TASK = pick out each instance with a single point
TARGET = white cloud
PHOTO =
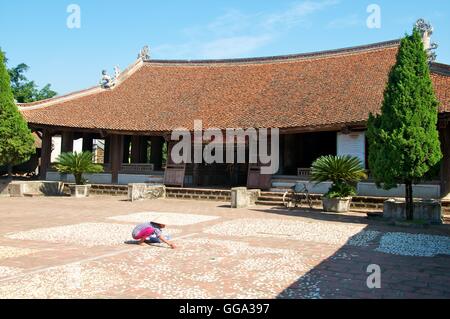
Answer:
(346, 22)
(236, 34)
(297, 13)
(234, 47)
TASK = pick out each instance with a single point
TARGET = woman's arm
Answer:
(161, 237)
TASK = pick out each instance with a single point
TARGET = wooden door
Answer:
(257, 180)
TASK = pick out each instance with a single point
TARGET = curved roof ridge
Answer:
(81, 93)
(440, 68)
(275, 58)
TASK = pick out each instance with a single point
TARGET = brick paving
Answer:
(275, 254)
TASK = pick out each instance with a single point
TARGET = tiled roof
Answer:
(296, 91)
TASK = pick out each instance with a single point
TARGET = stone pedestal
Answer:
(141, 191)
(426, 210)
(241, 197)
(79, 191)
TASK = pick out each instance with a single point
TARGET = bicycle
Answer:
(294, 197)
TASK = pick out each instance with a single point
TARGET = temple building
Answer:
(319, 101)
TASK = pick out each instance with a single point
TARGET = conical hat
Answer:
(161, 220)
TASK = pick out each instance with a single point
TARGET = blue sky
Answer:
(113, 32)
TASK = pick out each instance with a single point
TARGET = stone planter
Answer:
(336, 205)
(424, 210)
(79, 191)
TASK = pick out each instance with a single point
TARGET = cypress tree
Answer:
(16, 140)
(404, 140)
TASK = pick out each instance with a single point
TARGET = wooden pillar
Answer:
(156, 151)
(106, 151)
(46, 153)
(67, 142)
(126, 149)
(143, 149)
(444, 134)
(116, 155)
(135, 149)
(88, 142)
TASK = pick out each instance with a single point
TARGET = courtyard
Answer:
(72, 248)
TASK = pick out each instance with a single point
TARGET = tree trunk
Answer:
(409, 201)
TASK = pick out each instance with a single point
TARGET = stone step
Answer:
(33, 195)
(269, 203)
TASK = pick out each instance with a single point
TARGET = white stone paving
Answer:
(9, 271)
(173, 219)
(12, 252)
(84, 234)
(321, 232)
(414, 244)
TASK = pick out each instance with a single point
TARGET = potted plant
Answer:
(344, 172)
(77, 164)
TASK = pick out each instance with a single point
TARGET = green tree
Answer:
(26, 91)
(403, 140)
(16, 140)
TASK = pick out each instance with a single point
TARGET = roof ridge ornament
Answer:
(144, 54)
(426, 29)
(107, 81)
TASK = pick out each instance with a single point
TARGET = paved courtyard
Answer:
(72, 248)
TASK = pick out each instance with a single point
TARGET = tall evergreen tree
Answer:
(403, 140)
(16, 141)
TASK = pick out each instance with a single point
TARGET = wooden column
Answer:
(143, 149)
(135, 149)
(444, 135)
(126, 149)
(88, 142)
(67, 142)
(106, 151)
(156, 151)
(116, 155)
(46, 153)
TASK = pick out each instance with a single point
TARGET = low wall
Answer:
(125, 179)
(198, 194)
(106, 178)
(425, 191)
(100, 178)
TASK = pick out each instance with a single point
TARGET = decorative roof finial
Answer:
(106, 82)
(427, 30)
(144, 54)
(116, 72)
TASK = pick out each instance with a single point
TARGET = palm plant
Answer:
(77, 164)
(343, 171)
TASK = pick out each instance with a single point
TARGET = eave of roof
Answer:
(142, 93)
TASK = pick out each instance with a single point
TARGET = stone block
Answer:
(241, 197)
(427, 210)
(142, 191)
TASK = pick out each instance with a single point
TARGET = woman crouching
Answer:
(142, 232)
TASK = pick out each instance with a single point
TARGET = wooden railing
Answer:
(142, 169)
(304, 173)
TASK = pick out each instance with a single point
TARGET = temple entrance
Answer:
(220, 175)
(299, 151)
